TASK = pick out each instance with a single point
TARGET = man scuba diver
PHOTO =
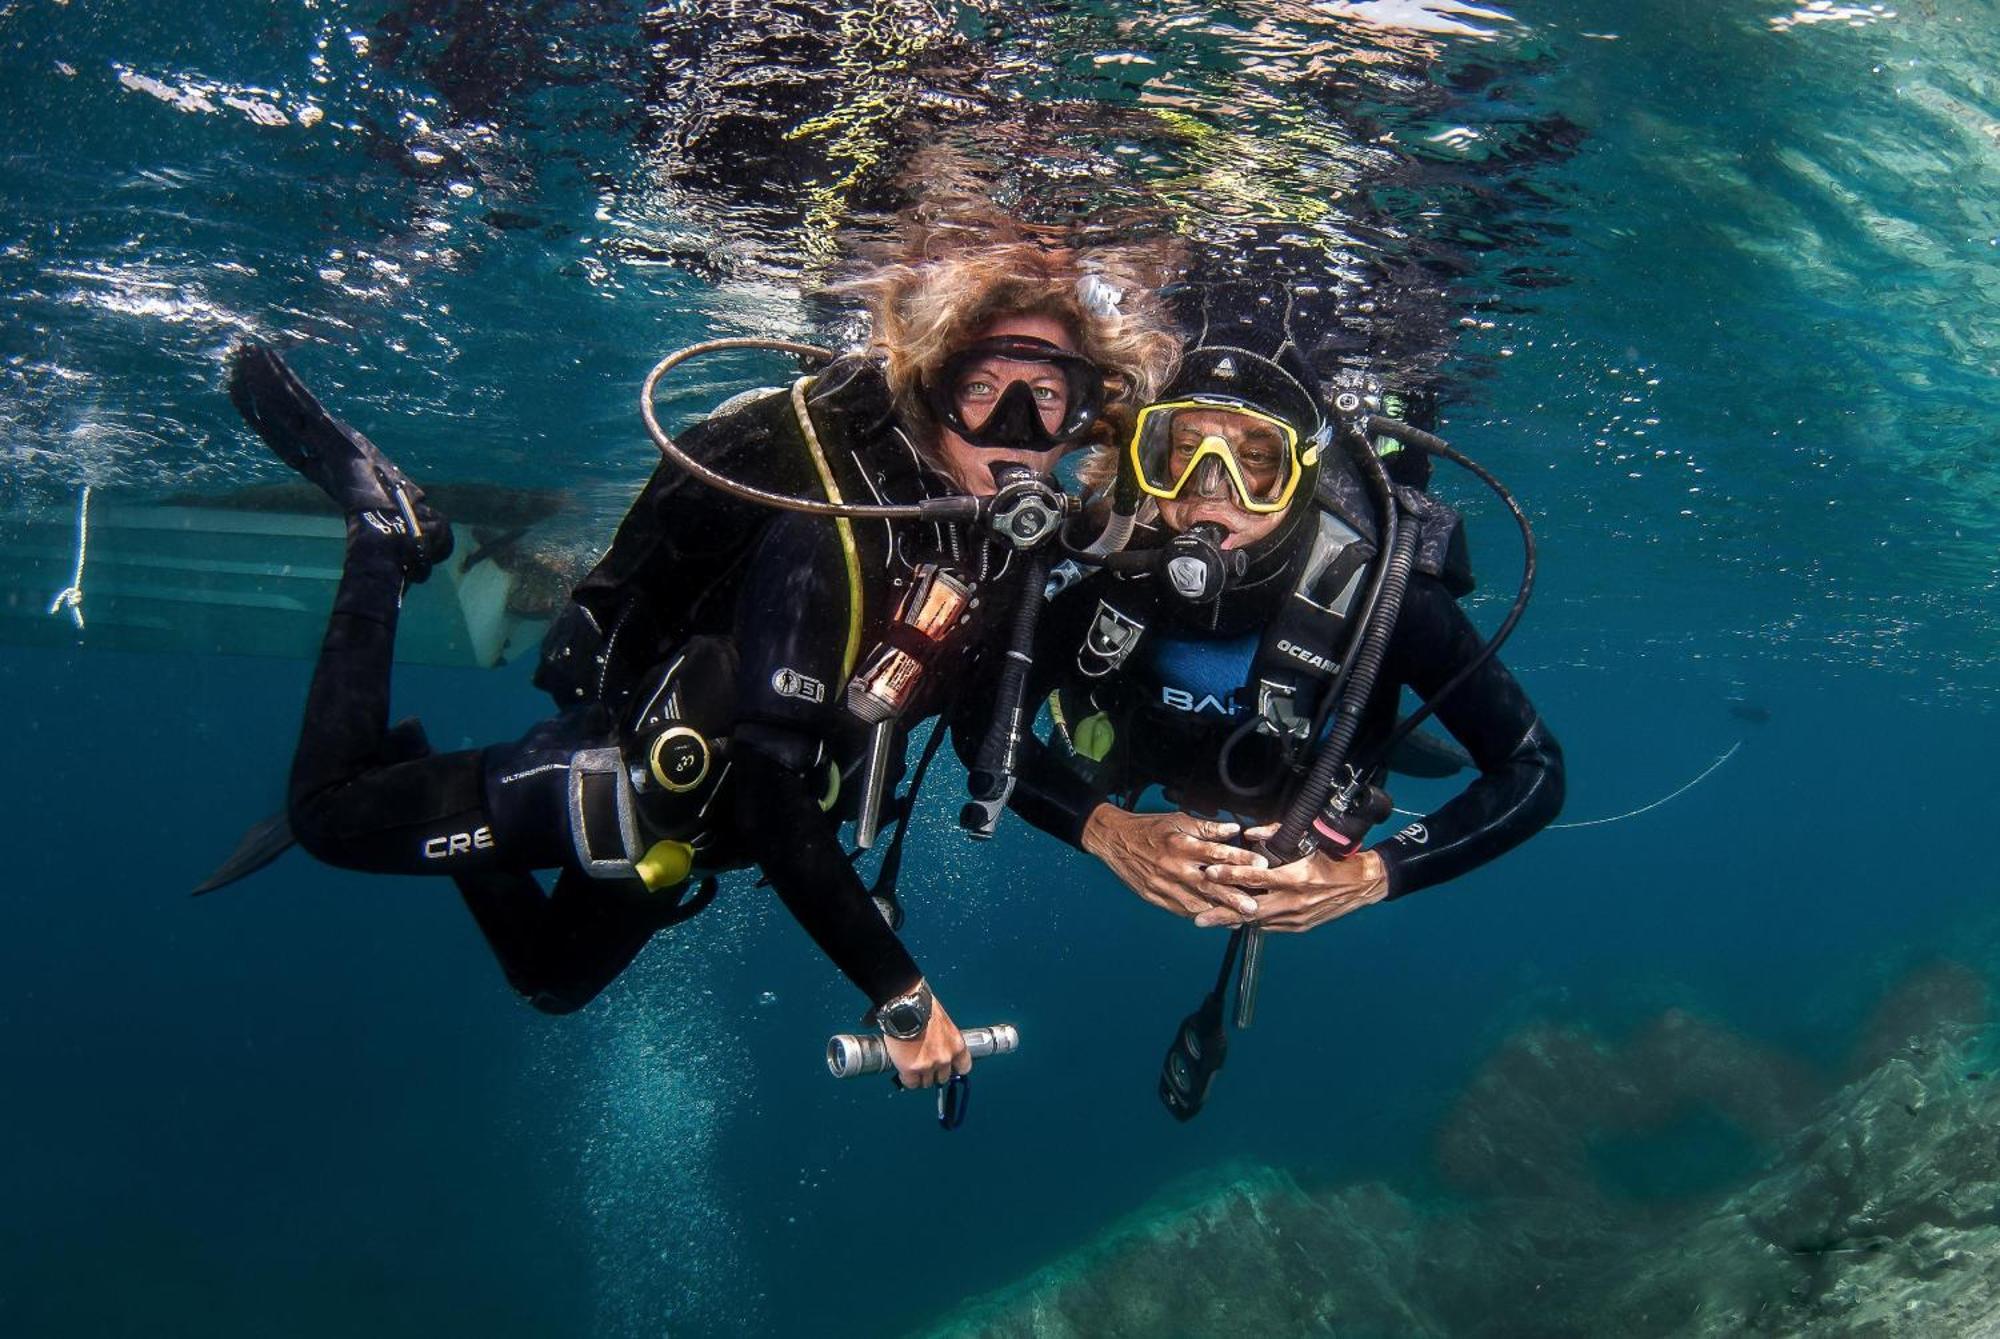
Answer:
(1216, 657)
(736, 680)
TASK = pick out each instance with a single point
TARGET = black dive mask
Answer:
(1196, 566)
(1015, 423)
(1013, 386)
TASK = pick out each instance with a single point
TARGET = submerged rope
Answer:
(1631, 813)
(71, 596)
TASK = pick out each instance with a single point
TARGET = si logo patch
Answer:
(788, 682)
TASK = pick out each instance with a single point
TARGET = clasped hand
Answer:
(931, 1058)
(1190, 867)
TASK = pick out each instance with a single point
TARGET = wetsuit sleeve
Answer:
(798, 844)
(1521, 780)
(792, 630)
(1052, 797)
(1519, 790)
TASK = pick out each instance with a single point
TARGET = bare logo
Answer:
(788, 682)
(1416, 835)
(459, 843)
(1180, 699)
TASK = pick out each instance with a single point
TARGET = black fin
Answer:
(404, 741)
(348, 467)
(260, 846)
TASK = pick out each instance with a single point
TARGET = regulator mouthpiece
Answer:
(1026, 509)
(1198, 569)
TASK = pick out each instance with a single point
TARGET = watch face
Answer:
(904, 1020)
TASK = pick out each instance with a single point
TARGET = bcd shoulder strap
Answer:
(1301, 647)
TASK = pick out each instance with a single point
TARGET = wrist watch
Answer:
(906, 1016)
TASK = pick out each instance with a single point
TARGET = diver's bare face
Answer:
(1210, 497)
(971, 467)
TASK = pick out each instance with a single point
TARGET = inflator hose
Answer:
(1371, 464)
(1287, 845)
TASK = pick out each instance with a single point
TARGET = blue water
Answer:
(1715, 294)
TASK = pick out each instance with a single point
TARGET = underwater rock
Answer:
(1879, 1218)
(1257, 1255)
(1936, 997)
(1527, 1121)
(1877, 1212)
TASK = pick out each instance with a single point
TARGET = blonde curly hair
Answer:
(951, 278)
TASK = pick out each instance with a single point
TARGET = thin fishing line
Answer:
(1642, 809)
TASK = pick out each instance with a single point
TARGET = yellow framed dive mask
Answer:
(1187, 447)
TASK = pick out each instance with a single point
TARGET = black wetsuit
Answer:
(1176, 702)
(688, 563)
(368, 797)
(792, 631)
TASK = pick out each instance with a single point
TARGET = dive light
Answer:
(850, 1055)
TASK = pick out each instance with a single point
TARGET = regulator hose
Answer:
(992, 776)
(1320, 782)
(935, 509)
(1437, 446)
(1122, 561)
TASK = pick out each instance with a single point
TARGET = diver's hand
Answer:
(1305, 893)
(1172, 860)
(933, 1058)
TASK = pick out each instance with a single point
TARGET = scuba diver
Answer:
(740, 673)
(1247, 651)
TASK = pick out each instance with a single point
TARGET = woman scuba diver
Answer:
(1268, 611)
(735, 680)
